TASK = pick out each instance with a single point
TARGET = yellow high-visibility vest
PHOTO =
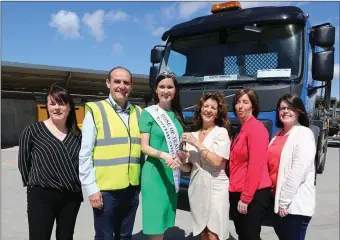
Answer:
(117, 151)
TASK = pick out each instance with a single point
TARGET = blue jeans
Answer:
(291, 227)
(116, 219)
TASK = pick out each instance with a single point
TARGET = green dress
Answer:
(159, 197)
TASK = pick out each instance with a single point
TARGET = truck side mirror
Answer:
(323, 65)
(322, 35)
(153, 76)
(156, 55)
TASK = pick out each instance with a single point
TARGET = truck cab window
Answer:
(239, 52)
(177, 63)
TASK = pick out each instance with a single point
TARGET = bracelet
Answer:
(206, 155)
(158, 154)
(200, 151)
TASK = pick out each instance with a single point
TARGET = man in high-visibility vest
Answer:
(109, 159)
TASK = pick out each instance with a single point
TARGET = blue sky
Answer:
(101, 35)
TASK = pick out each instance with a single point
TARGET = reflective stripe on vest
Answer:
(117, 150)
(118, 140)
(115, 161)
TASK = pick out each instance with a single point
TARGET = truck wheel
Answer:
(321, 168)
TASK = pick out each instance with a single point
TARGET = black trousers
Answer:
(45, 206)
(248, 226)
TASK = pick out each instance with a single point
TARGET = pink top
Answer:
(274, 155)
(248, 162)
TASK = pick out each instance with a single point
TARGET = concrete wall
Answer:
(15, 115)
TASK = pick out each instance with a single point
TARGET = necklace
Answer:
(206, 131)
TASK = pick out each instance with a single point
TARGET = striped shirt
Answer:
(46, 161)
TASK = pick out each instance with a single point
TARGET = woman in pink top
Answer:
(291, 155)
(250, 184)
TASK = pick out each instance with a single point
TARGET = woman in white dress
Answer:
(207, 152)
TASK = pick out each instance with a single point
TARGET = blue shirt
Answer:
(89, 132)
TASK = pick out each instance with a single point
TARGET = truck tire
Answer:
(321, 167)
(319, 129)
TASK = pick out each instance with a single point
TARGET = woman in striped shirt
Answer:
(48, 163)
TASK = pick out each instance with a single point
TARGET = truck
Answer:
(272, 50)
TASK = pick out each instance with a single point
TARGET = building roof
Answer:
(34, 79)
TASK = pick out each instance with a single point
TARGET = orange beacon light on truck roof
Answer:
(220, 7)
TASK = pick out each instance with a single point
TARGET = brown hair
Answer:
(61, 96)
(252, 97)
(222, 119)
(176, 101)
(296, 103)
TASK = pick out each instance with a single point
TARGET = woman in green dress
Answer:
(160, 180)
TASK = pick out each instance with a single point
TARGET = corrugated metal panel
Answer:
(38, 78)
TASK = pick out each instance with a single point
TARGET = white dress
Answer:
(208, 188)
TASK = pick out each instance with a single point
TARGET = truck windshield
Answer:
(263, 52)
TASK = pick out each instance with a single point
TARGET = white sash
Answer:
(171, 135)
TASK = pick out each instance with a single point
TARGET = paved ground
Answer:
(324, 225)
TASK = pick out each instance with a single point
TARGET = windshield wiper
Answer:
(259, 81)
(197, 83)
(277, 80)
(239, 82)
(273, 79)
